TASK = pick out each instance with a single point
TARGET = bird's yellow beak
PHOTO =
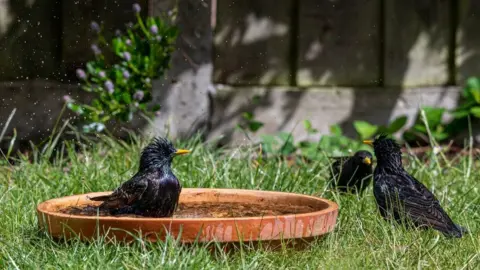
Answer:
(369, 142)
(182, 152)
(367, 161)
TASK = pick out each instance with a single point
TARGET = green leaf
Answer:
(475, 111)
(466, 105)
(87, 88)
(307, 124)
(247, 116)
(458, 114)
(285, 136)
(126, 98)
(397, 124)
(420, 128)
(433, 116)
(156, 107)
(476, 94)
(409, 135)
(365, 129)
(90, 67)
(151, 21)
(287, 147)
(473, 87)
(382, 129)
(142, 106)
(254, 125)
(308, 127)
(118, 76)
(268, 142)
(118, 46)
(75, 108)
(440, 136)
(336, 130)
(305, 144)
(96, 103)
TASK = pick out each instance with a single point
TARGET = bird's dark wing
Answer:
(126, 194)
(421, 205)
(338, 163)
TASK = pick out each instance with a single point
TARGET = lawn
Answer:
(360, 240)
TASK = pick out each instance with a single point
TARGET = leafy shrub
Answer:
(123, 86)
(334, 144)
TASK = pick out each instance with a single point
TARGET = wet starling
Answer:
(353, 173)
(154, 190)
(401, 196)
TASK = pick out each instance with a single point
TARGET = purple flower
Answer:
(136, 8)
(154, 29)
(109, 85)
(67, 99)
(101, 74)
(95, 27)
(81, 74)
(128, 42)
(126, 74)
(95, 49)
(138, 95)
(127, 56)
(129, 25)
(118, 33)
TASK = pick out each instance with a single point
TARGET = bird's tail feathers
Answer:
(462, 229)
(458, 231)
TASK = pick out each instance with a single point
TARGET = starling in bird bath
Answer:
(154, 190)
(353, 173)
(401, 196)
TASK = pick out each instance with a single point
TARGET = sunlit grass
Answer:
(361, 239)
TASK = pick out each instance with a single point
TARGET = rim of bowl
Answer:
(332, 206)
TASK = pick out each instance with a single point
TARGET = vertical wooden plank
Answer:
(29, 39)
(252, 41)
(158, 7)
(417, 38)
(77, 33)
(339, 42)
(467, 53)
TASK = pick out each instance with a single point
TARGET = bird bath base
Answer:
(203, 215)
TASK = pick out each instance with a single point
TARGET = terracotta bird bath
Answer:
(203, 215)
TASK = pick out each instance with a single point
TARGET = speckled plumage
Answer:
(401, 196)
(352, 174)
(153, 191)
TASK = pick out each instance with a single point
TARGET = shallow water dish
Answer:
(192, 223)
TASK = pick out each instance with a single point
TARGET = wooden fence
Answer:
(49, 39)
(408, 43)
(268, 42)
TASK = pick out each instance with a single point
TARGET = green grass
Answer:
(360, 240)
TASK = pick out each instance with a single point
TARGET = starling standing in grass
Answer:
(401, 196)
(353, 173)
(154, 190)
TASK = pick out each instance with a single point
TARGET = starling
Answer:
(154, 190)
(353, 173)
(401, 196)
